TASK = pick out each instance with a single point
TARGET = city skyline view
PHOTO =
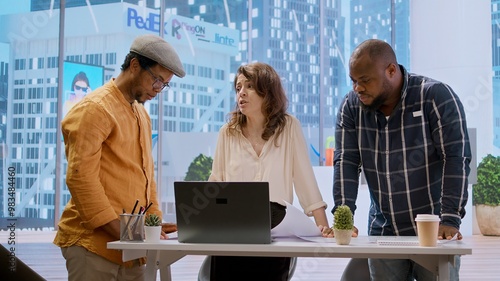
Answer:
(307, 43)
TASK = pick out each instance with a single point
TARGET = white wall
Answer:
(451, 41)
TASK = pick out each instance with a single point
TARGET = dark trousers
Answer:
(223, 268)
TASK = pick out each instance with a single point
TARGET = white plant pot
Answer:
(488, 219)
(152, 233)
(342, 236)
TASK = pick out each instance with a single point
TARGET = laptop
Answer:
(222, 212)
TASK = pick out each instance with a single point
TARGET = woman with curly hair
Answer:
(262, 142)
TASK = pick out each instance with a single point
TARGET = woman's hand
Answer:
(167, 228)
(326, 231)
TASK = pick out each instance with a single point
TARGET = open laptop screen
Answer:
(223, 212)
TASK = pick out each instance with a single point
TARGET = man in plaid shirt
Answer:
(408, 134)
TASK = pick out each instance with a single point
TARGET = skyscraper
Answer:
(195, 104)
(385, 20)
(288, 36)
(495, 44)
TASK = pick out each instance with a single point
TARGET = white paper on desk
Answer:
(128, 255)
(172, 235)
(318, 239)
(295, 223)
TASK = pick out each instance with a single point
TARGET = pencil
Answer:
(135, 206)
(127, 229)
(134, 226)
(145, 210)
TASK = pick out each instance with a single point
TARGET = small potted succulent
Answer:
(343, 225)
(152, 227)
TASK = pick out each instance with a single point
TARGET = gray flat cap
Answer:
(155, 48)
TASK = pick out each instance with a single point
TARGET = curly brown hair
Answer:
(267, 84)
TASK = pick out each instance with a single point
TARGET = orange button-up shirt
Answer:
(108, 145)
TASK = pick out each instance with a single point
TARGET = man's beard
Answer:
(377, 102)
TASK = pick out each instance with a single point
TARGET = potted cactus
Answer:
(152, 227)
(343, 225)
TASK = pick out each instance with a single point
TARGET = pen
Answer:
(127, 229)
(135, 206)
(139, 215)
(145, 210)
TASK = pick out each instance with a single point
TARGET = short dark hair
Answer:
(377, 50)
(80, 76)
(144, 62)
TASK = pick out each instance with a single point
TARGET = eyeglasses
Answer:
(158, 84)
(79, 88)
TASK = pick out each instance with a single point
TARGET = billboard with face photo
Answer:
(79, 80)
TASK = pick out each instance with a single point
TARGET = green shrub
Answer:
(487, 189)
(199, 169)
(342, 218)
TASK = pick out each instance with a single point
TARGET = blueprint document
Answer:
(295, 223)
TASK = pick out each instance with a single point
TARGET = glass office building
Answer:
(286, 35)
(495, 44)
(307, 41)
(385, 20)
(197, 103)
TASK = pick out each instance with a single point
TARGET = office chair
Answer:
(22, 271)
(356, 270)
(204, 273)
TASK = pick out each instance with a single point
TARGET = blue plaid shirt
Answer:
(415, 162)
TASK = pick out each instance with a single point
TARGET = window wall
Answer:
(307, 41)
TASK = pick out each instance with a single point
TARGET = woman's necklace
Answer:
(255, 140)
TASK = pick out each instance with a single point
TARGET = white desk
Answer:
(161, 255)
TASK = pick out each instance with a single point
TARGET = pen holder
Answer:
(131, 228)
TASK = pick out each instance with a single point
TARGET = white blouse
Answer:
(283, 166)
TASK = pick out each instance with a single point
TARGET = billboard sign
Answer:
(79, 80)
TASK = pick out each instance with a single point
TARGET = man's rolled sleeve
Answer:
(309, 209)
(99, 219)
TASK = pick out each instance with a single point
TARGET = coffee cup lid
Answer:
(426, 217)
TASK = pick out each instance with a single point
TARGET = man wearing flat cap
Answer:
(108, 145)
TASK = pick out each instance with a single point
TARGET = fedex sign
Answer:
(179, 28)
(151, 22)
